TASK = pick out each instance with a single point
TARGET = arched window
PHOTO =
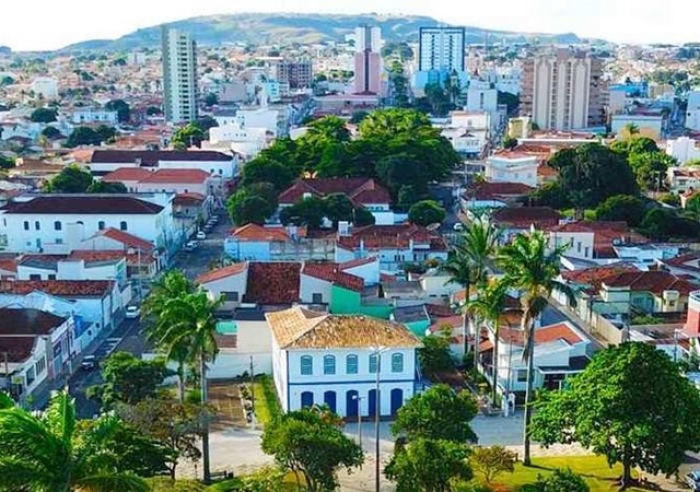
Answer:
(351, 364)
(397, 363)
(37, 225)
(307, 365)
(26, 225)
(329, 364)
(373, 360)
(123, 226)
(57, 225)
(101, 225)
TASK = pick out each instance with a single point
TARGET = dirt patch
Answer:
(226, 398)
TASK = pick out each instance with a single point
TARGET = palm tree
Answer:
(533, 270)
(173, 285)
(187, 330)
(461, 272)
(48, 452)
(632, 130)
(489, 305)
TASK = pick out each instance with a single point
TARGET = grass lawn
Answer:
(595, 470)
(267, 405)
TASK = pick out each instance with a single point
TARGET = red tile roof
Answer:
(594, 277)
(653, 281)
(89, 255)
(490, 190)
(63, 288)
(8, 264)
(273, 283)
(84, 204)
(221, 273)
(188, 199)
(349, 265)
(127, 174)
(17, 349)
(331, 272)
(360, 190)
(546, 334)
(689, 261)
(27, 321)
(257, 233)
(179, 176)
(523, 217)
(153, 157)
(128, 240)
(391, 236)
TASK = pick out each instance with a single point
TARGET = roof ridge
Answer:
(312, 324)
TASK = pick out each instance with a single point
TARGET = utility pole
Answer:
(377, 409)
(252, 390)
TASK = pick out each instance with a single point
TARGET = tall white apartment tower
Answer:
(179, 76)
(441, 49)
(368, 60)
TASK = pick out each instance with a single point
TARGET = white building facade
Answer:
(179, 76)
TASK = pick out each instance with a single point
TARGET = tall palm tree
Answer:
(460, 269)
(47, 453)
(188, 329)
(173, 285)
(489, 305)
(533, 270)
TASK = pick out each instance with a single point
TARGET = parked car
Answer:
(133, 312)
(692, 480)
(201, 235)
(89, 363)
(191, 246)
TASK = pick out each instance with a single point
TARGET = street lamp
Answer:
(359, 417)
(377, 352)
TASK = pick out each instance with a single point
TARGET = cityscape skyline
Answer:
(81, 20)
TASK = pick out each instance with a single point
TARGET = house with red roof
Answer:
(597, 240)
(218, 164)
(488, 195)
(393, 245)
(253, 242)
(516, 220)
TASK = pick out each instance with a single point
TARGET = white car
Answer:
(133, 312)
(201, 235)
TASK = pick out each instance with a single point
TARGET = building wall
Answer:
(229, 285)
(344, 301)
(580, 243)
(341, 382)
(311, 285)
(179, 76)
(522, 170)
(368, 272)
(683, 149)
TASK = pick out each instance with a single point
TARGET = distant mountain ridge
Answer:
(262, 29)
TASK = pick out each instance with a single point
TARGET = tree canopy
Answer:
(84, 135)
(71, 179)
(190, 135)
(305, 443)
(43, 115)
(631, 404)
(426, 212)
(121, 107)
(627, 208)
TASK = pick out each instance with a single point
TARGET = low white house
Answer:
(513, 167)
(683, 149)
(212, 162)
(321, 358)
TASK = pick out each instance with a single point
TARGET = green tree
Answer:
(187, 326)
(358, 116)
(591, 173)
(246, 208)
(121, 107)
(670, 199)
(437, 413)
(426, 212)
(561, 480)
(663, 224)
(627, 208)
(268, 170)
(6, 162)
(107, 187)
(338, 207)
(492, 461)
(206, 123)
(362, 217)
(211, 99)
(510, 143)
(550, 195)
(532, 268)
(429, 465)
(84, 135)
(43, 115)
(511, 101)
(488, 306)
(71, 179)
(129, 379)
(306, 212)
(434, 356)
(632, 405)
(105, 133)
(304, 443)
(51, 132)
(47, 452)
(409, 195)
(650, 169)
(190, 135)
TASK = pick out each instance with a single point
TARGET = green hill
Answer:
(263, 29)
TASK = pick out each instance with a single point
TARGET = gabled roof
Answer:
(60, 288)
(222, 273)
(489, 190)
(273, 283)
(179, 176)
(655, 282)
(594, 277)
(27, 321)
(349, 265)
(540, 217)
(82, 204)
(298, 328)
(391, 236)
(188, 199)
(17, 349)
(359, 190)
(331, 272)
(127, 239)
(547, 334)
(688, 261)
(153, 157)
(256, 233)
(127, 174)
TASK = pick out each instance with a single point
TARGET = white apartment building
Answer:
(274, 120)
(692, 115)
(441, 49)
(81, 116)
(46, 86)
(245, 141)
(324, 359)
(512, 167)
(563, 90)
(59, 223)
(179, 76)
(683, 149)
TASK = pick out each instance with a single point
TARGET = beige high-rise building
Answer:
(563, 90)
(179, 76)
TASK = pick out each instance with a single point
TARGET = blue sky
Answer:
(50, 24)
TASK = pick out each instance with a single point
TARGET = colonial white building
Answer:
(324, 359)
(512, 167)
(59, 223)
(212, 162)
(89, 115)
